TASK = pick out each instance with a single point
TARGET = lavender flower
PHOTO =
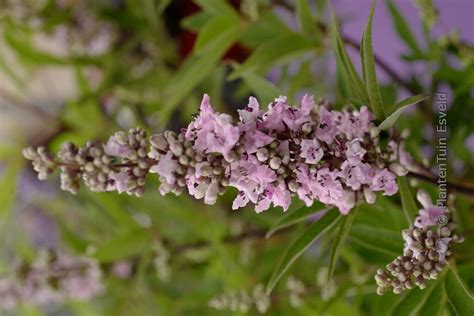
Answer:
(309, 151)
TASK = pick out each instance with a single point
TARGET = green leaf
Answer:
(31, 53)
(196, 21)
(264, 89)
(399, 108)
(338, 243)
(411, 303)
(210, 31)
(299, 246)
(378, 239)
(435, 302)
(408, 202)
(218, 7)
(458, 294)
(306, 21)
(368, 65)
(353, 81)
(280, 49)
(196, 68)
(403, 28)
(295, 217)
(9, 177)
(124, 246)
(71, 239)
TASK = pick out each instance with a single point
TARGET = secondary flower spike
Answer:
(310, 151)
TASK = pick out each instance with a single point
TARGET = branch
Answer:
(246, 235)
(460, 188)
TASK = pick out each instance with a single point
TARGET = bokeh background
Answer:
(79, 70)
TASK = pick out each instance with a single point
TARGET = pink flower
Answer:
(428, 216)
(166, 167)
(384, 180)
(327, 127)
(355, 152)
(253, 138)
(114, 148)
(212, 132)
(311, 151)
(274, 118)
(281, 197)
(355, 174)
(120, 181)
(327, 188)
(355, 124)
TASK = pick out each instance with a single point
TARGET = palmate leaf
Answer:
(368, 66)
(338, 243)
(299, 246)
(295, 217)
(399, 108)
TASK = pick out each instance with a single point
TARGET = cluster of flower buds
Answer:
(161, 261)
(53, 277)
(242, 301)
(120, 165)
(309, 151)
(297, 290)
(428, 246)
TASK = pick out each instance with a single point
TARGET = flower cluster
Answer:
(309, 151)
(428, 246)
(120, 165)
(242, 301)
(53, 277)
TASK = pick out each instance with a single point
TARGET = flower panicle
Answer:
(310, 151)
(52, 277)
(427, 249)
